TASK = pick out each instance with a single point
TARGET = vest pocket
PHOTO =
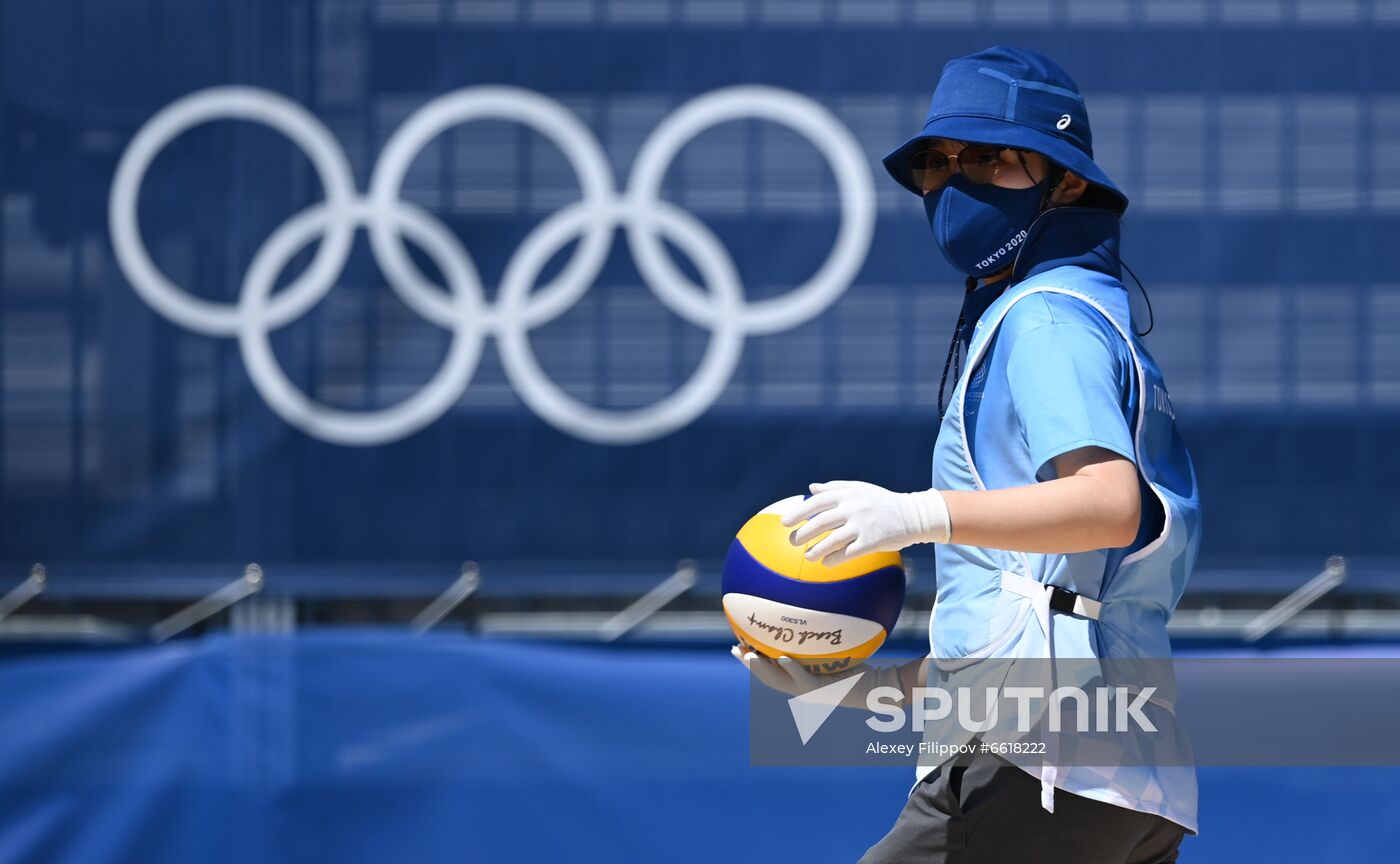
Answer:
(994, 644)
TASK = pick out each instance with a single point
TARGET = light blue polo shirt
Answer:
(1057, 377)
(1060, 378)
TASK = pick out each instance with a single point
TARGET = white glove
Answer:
(863, 518)
(787, 675)
(784, 674)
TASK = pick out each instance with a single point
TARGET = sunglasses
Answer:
(979, 163)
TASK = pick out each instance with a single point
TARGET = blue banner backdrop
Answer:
(376, 746)
(143, 416)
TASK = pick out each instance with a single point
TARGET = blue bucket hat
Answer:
(1014, 98)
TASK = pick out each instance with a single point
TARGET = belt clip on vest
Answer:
(1044, 600)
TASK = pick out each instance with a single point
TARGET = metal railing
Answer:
(651, 615)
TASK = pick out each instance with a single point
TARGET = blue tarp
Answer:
(377, 746)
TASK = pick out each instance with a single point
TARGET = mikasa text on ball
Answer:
(827, 618)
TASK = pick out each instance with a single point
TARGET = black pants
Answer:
(984, 810)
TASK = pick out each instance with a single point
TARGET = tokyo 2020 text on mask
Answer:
(978, 227)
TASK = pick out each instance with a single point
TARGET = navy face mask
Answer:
(979, 227)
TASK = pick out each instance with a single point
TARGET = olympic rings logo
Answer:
(719, 306)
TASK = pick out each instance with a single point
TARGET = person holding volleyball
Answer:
(1063, 500)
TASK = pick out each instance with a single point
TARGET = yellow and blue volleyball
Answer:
(828, 618)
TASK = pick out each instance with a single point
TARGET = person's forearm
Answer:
(1071, 514)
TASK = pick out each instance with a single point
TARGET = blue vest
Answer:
(976, 616)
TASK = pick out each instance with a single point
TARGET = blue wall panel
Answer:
(1258, 142)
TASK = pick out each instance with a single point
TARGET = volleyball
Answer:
(827, 618)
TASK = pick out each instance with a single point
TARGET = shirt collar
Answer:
(1083, 237)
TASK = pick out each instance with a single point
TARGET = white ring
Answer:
(360, 427)
(600, 425)
(230, 103)
(545, 116)
(853, 182)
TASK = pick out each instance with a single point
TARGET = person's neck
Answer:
(1064, 236)
(999, 276)
(1085, 237)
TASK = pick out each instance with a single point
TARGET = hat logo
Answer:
(1063, 123)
